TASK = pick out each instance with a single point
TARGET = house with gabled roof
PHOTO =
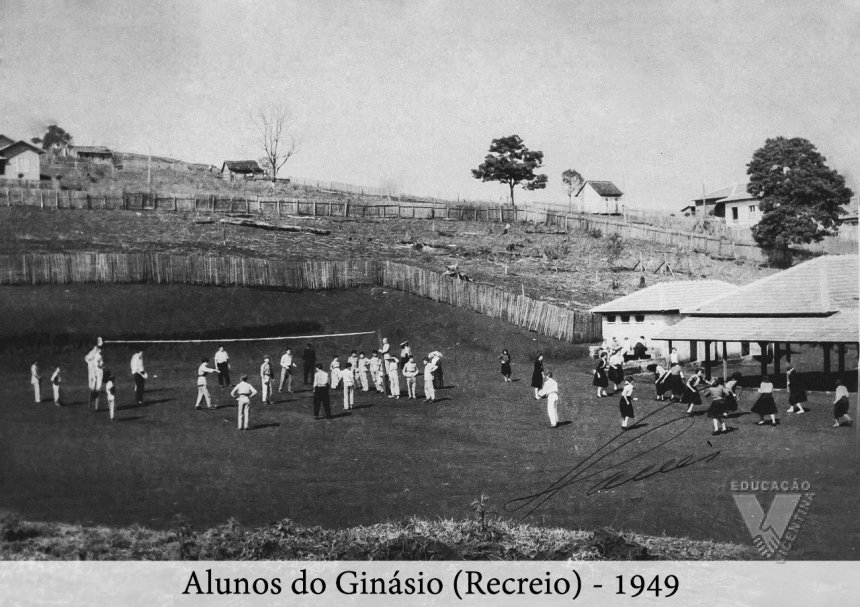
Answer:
(813, 303)
(647, 312)
(19, 159)
(246, 169)
(599, 197)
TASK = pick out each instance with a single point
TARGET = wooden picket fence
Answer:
(168, 268)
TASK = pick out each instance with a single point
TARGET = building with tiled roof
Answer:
(647, 312)
(19, 159)
(241, 168)
(815, 302)
(599, 197)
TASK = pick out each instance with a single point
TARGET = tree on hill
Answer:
(572, 182)
(276, 130)
(801, 197)
(55, 138)
(512, 163)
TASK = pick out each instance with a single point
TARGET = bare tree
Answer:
(276, 130)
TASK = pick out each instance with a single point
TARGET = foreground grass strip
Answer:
(411, 539)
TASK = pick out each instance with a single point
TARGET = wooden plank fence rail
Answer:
(274, 207)
(168, 268)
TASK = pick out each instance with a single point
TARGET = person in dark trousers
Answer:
(505, 359)
(796, 392)
(438, 378)
(309, 356)
(140, 376)
(537, 376)
(222, 363)
(321, 395)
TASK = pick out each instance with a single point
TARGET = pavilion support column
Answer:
(787, 352)
(694, 350)
(725, 362)
(669, 353)
(841, 350)
(826, 348)
(763, 346)
(707, 359)
(776, 355)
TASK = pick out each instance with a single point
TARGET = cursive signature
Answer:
(585, 470)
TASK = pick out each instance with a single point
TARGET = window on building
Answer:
(735, 213)
(610, 318)
(753, 209)
(625, 318)
(639, 318)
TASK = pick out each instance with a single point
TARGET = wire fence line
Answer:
(168, 268)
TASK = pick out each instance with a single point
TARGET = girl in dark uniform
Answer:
(691, 392)
(625, 405)
(731, 396)
(661, 382)
(615, 372)
(537, 376)
(765, 405)
(841, 405)
(505, 359)
(601, 380)
(676, 381)
(796, 392)
(718, 393)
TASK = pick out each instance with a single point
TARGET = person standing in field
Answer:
(796, 392)
(393, 377)
(537, 376)
(222, 362)
(661, 381)
(95, 364)
(321, 394)
(267, 384)
(375, 366)
(139, 375)
(764, 404)
(55, 384)
(429, 389)
(616, 369)
(719, 396)
(36, 381)
(287, 366)
(334, 369)
(549, 391)
(601, 377)
(691, 394)
(202, 389)
(243, 392)
(505, 359)
(841, 405)
(348, 382)
(309, 362)
(110, 393)
(410, 372)
(676, 381)
(363, 364)
(405, 353)
(626, 403)
(352, 360)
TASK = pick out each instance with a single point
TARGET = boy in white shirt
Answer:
(266, 380)
(347, 379)
(410, 372)
(110, 392)
(429, 390)
(393, 378)
(55, 384)
(287, 367)
(334, 368)
(36, 380)
(202, 389)
(243, 392)
(376, 373)
(550, 392)
(363, 364)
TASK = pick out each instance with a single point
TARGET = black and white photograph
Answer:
(570, 286)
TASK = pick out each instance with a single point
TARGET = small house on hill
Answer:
(92, 153)
(245, 169)
(733, 203)
(19, 159)
(649, 311)
(599, 197)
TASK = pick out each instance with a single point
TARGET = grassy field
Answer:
(569, 269)
(388, 460)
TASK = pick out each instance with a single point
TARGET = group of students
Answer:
(381, 371)
(724, 395)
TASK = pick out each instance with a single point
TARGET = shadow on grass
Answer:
(147, 403)
(341, 414)
(564, 423)
(365, 406)
(262, 426)
(128, 419)
(441, 400)
(637, 426)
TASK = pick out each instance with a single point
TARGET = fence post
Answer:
(41, 200)
(174, 202)
(57, 199)
(315, 208)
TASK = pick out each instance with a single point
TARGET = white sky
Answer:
(660, 97)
